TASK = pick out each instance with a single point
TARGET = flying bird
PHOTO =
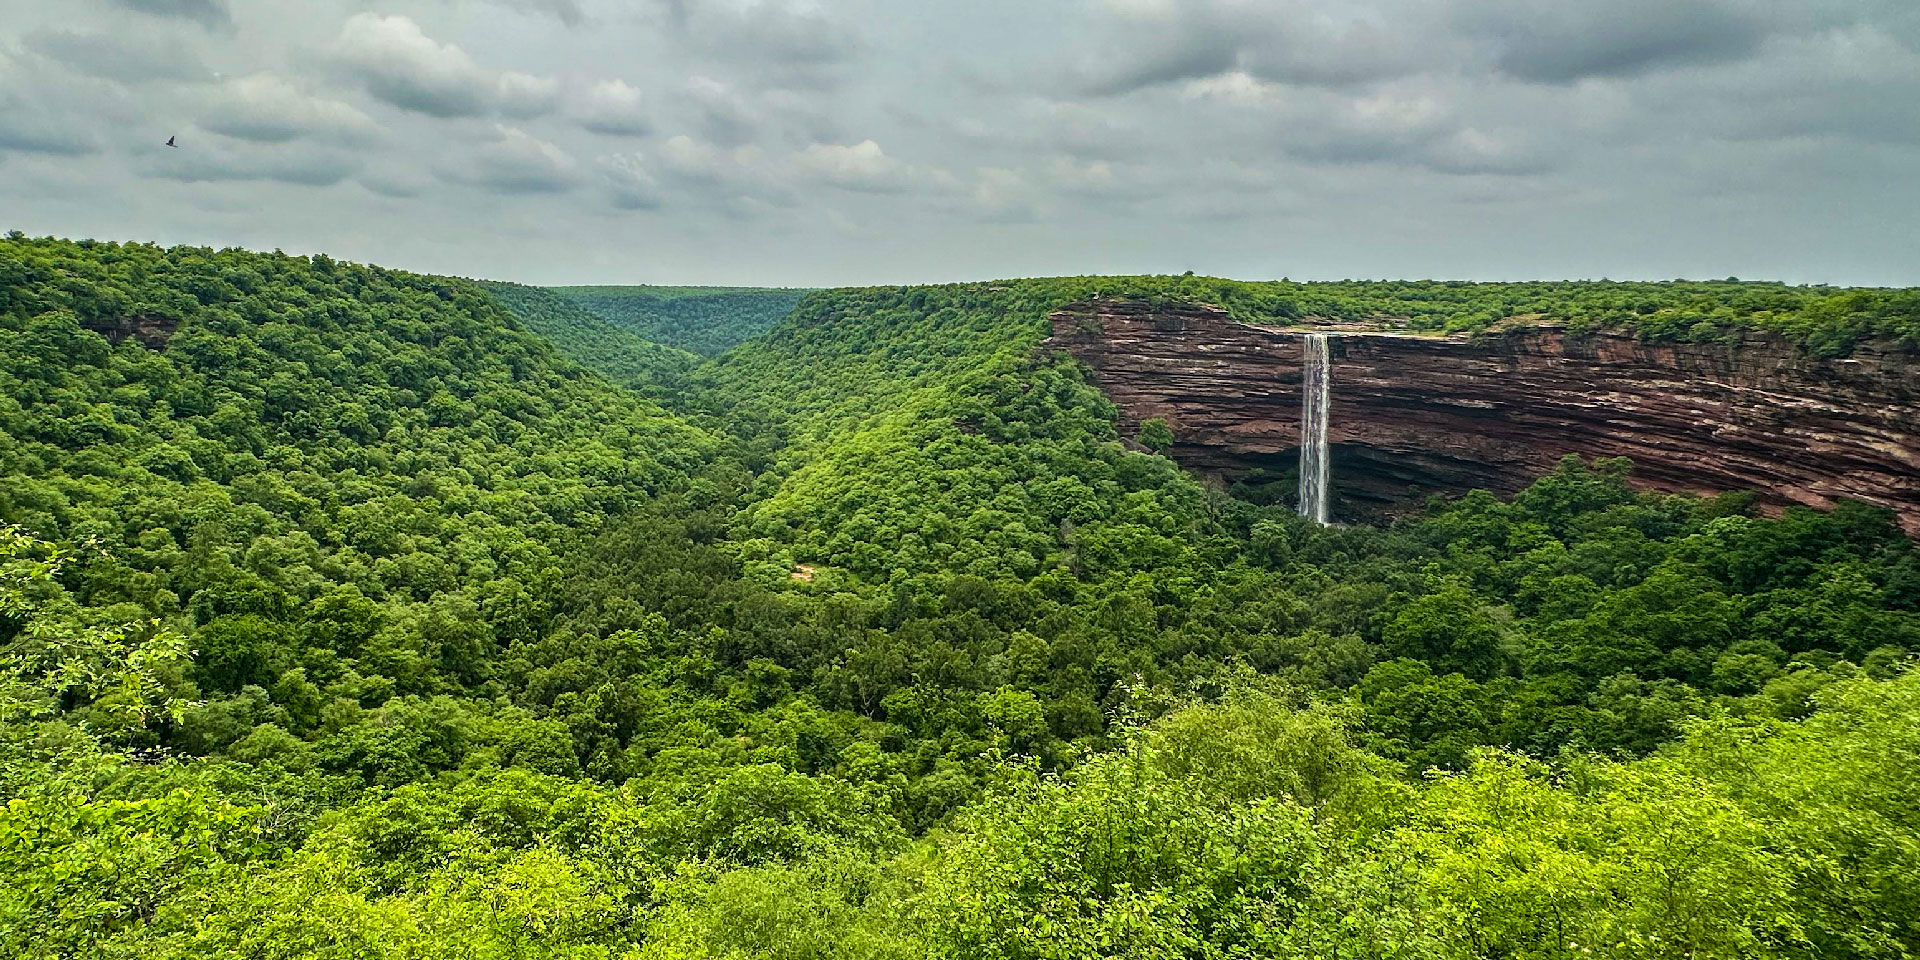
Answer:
(170, 143)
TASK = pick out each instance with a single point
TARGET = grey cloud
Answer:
(516, 162)
(267, 108)
(743, 179)
(522, 96)
(199, 160)
(1147, 45)
(800, 117)
(392, 184)
(398, 63)
(770, 42)
(130, 59)
(1561, 43)
(1854, 83)
(788, 31)
(1089, 130)
(1002, 195)
(1352, 144)
(862, 166)
(406, 68)
(39, 118)
(1863, 113)
(1314, 51)
(1182, 56)
(692, 160)
(390, 189)
(1099, 179)
(747, 178)
(1473, 151)
(1455, 127)
(27, 130)
(1394, 125)
(881, 142)
(1151, 44)
(1405, 134)
(722, 114)
(628, 183)
(613, 108)
(212, 14)
(731, 116)
(566, 11)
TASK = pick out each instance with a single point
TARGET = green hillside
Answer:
(704, 320)
(341, 485)
(615, 352)
(342, 617)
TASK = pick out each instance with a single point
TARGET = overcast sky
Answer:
(774, 142)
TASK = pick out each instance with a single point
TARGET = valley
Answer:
(348, 611)
(1103, 480)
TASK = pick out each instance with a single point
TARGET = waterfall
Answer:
(1315, 380)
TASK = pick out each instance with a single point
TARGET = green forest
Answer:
(347, 612)
(614, 352)
(1826, 321)
(703, 320)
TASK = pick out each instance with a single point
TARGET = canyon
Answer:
(1416, 414)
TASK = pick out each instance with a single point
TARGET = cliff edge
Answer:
(1418, 414)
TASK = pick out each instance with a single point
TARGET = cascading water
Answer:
(1315, 381)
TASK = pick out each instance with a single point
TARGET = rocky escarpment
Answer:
(1412, 414)
(149, 331)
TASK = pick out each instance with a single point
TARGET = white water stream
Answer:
(1315, 393)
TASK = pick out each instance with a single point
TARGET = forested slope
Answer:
(704, 320)
(341, 484)
(613, 351)
(902, 653)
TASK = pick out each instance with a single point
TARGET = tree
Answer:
(1155, 435)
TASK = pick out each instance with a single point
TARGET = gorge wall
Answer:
(1413, 415)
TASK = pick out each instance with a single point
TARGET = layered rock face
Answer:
(1412, 415)
(152, 332)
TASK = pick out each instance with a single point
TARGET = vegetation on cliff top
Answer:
(356, 621)
(1829, 321)
(608, 349)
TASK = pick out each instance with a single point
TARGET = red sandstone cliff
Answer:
(1413, 415)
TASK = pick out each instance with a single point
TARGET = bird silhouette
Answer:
(170, 143)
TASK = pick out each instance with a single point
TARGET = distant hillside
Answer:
(704, 320)
(616, 352)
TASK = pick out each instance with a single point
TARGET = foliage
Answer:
(612, 351)
(1828, 321)
(703, 320)
(342, 616)
(1723, 847)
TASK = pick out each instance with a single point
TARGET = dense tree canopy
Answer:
(704, 320)
(341, 616)
(1826, 320)
(610, 350)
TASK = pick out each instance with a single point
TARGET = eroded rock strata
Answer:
(1414, 415)
(149, 331)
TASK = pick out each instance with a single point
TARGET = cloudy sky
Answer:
(818, 142)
